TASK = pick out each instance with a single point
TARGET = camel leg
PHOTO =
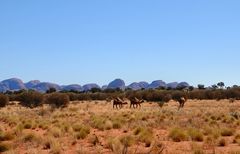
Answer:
(179, 107)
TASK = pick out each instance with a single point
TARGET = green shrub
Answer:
(58, 100)
(3, 100)
(31, 99)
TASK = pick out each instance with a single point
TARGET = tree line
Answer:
(31, 98)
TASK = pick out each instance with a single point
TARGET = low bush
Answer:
(81, 131)
(30, 99)
(145, 135)
(98, 122)
(55, 132)
(178, 135)
(195, 135)
(57, 100)
(222, 142)
(127, 140)
(6, 136)
(4, 147)
(227, 132)
(3, 100)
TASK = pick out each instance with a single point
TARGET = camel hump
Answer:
(119, 99)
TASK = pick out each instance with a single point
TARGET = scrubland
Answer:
(206, 126)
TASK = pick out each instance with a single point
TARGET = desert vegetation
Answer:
(72, 122)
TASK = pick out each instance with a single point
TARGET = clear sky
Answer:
(74, 41)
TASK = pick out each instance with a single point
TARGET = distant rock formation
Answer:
(104, 87)
(117, 83)
(157, 84)
(183, 85)
(3, 87)
(88, 87)
(44, 86)
(143, 84)
(138, 85)
(74, 87)
(172, 85)
(31, 84)
(13, 84)
(134, 86)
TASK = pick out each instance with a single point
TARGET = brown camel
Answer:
(135, 103)
(118, 103)
(182, 102)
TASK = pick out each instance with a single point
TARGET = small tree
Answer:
(201, 86)
(221, 85)
(30, 99)
(190, 88)
(58, 100)
(235, 86)
(51, 90)
(3, 100)
(95, 90)
(214, 86)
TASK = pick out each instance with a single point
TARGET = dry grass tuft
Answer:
(178, 135)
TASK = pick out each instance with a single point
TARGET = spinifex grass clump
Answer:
(178, 135)
(81, 131)
(144, 135)
(227, 132)
(195, 134)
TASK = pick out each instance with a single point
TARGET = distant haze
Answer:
(79, 42)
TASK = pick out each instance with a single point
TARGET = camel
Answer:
(135, 103)
(118, 103)
(182, 102)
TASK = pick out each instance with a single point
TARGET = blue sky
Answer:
(97, 41)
